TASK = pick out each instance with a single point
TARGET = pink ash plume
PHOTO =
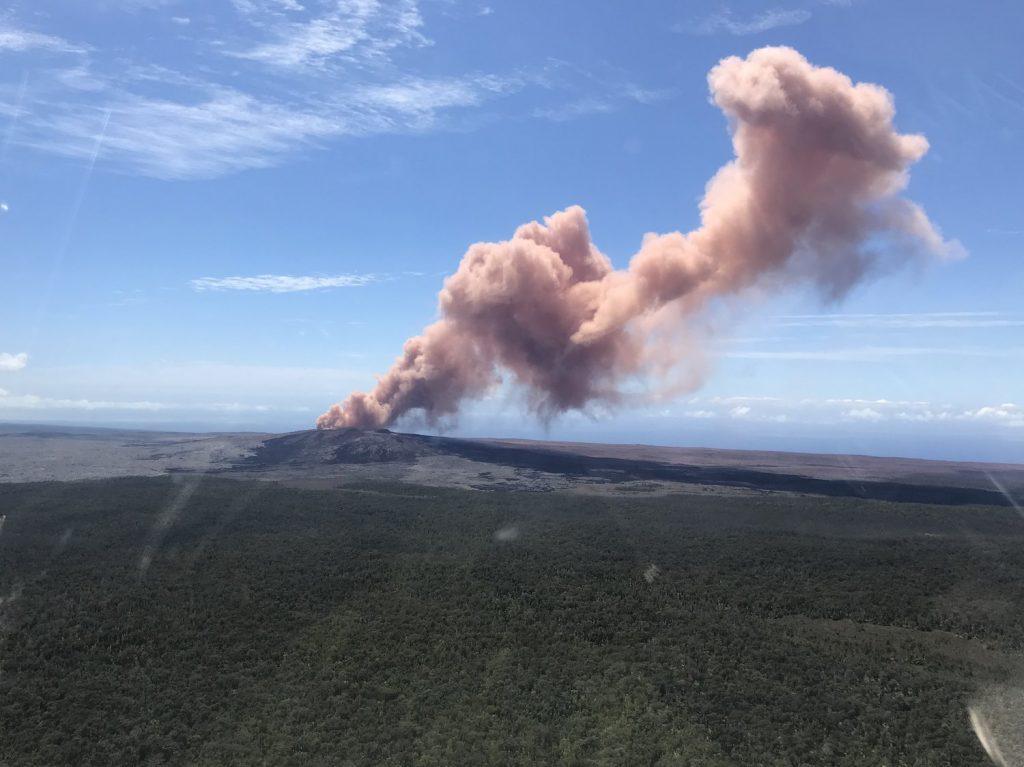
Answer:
(815, 182)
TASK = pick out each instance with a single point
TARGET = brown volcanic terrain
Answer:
(333, 458)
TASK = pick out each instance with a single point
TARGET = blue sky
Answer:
(158, 155)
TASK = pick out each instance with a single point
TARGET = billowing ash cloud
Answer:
(814, 185)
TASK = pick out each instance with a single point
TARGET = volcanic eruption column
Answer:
(814, 184)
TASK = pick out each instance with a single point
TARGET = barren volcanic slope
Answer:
(333, 457)
(853, 468)
(36, 453)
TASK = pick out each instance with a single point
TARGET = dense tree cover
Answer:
(207, 621)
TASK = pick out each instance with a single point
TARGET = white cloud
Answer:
(570, 110)
(601, 103)
(181, 21)
(280, 283)
(865, 402)
(417, 96)
(725, 21)
(222, 130)
(4, 207)
(16, 40)
(263, 7)
(12, 362)
(924, 415)
(335, 75)
(853, 410)
(700, 414)
(133, 5)
(1007, 414)
(352, 31)
(739, 400)
(863, 414)
(738, 411)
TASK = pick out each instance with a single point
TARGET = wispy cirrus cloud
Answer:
(259, 93)
(209, 130)
(725, 20)
(133, 6)
(257, 8)
(16, 39)
(596, 104)
(416, 96)
(222, 130)
(281, 283)
(212, 130)
(340, 31)
(10, 363)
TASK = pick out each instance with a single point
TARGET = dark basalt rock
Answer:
(363, 446)
(327, 446)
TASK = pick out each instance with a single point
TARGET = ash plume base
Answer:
(812, 197)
